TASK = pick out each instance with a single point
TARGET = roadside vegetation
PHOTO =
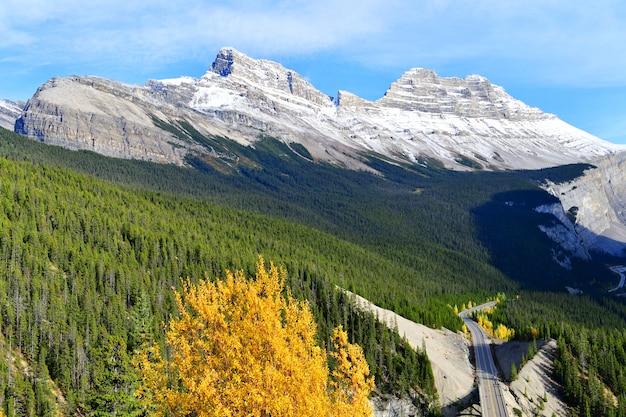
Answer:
(591, 340)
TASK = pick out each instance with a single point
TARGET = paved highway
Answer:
(620, 269)
(490, 394)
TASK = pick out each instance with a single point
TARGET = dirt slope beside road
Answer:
(448, 353)
(534, 391)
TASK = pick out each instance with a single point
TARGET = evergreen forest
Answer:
(91, 249)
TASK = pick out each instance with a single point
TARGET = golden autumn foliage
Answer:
(504, 333)
(349, 383)
(242, 348)
(499, 332)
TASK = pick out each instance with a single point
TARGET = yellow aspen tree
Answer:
(349, 383)
(244, 348)
(488, 325)
(501, 332)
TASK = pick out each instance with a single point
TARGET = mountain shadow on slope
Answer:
(509, 227)
(435, 221)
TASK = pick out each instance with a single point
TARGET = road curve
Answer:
(490, 394)
(619, 269)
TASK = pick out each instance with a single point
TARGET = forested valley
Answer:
(91, 248)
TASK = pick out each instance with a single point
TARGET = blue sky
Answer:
(567, 57)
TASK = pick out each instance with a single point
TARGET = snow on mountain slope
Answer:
(420, 116)
(9, 112)
(464, 123)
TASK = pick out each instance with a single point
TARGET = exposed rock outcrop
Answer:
(112, 118)
(95, 114)
(596, 202)
(394, 407)
(465, 123)
(535, 390)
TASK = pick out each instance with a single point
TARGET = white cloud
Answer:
(573, 41)
(155, 31)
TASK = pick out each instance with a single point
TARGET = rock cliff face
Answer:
(474, 96)
(464, 123)
(9, 113)
(107, 117)
(394, 407)
(596, 202)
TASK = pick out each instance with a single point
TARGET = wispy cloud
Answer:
(134, 31)
(547, 40)
(573, 41)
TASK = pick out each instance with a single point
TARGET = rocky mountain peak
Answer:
(224, 61)
(423, 90)
(264, 74)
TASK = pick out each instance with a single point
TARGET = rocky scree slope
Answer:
(464, 123)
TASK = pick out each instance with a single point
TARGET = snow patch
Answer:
(9, 112)
(175, 82)
(574, 291)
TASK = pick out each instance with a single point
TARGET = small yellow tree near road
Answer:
(243, 348)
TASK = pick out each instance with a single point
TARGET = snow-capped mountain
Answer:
(9, 112)
(464, 123)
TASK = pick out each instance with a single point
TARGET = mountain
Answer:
(462, 123)
(9, 112)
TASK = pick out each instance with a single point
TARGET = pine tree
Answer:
(114, 381)
(141, 322)
(513, 375)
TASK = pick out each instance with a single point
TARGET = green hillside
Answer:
(91, 246)
(85, 262)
